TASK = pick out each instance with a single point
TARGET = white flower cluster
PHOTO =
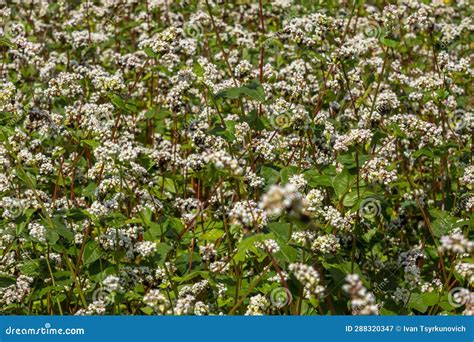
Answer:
(466, 270)
(17, 292)
(247, 214)
(355, 136)
(157, 301)
(257, 305)
(326, 244)
(362, 301)
(309, 278)
(268, 245)
(456, 243)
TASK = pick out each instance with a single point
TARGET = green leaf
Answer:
(316, 179)
(62, 230)
(443, 222)
(270, 175)
(341, 183)
(212, 235)
(92, 252)
(147, 310)
(430, 298)
(51, 236)
(150, 53)
(286, 253)
(91, 143)
(389, 42)
(162, 250)
(416, 302)
(30, 267)
(253, 90)
(6, 42)
(6, 280)
(281, 230)
(249, 244)
(423, 152)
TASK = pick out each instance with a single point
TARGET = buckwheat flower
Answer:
(376, 170)
(466, 270)
(201, 309)
(37, 231)
(17, 292)
(434, 285)
(219, 267)
(326, 244)
(246, 213)
(108, 82)
(7, 91)
(279, 277)
(303, 238)
(268, 245)
(223, 160)
(355, 136)
(185, 305)
(362, 301)
(112, 283)
(455, 243)
(162, 41)
(298, 181)
(95, 308)
(336, 219)
(252, 179)
(145, 248)
(309, 278)
(157, 301)
(208, 252)
(464, 297)
(257, 305)
(65, 84)
(314, 201)
(309, 30)
(468, 177)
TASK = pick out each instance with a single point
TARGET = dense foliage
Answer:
(236, 157)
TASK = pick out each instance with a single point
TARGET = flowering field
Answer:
(236, 157)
